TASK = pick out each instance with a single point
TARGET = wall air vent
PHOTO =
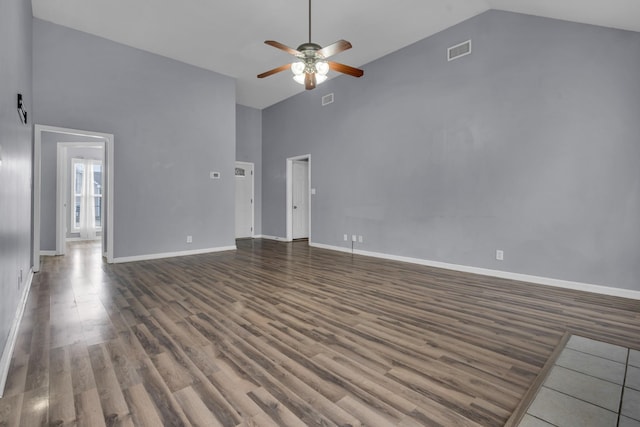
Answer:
(459, 50)
(327, 99)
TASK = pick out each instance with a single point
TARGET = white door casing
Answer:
(289, 200)
(108, 188)
(244, 200)
(300, 199)
(62, 191)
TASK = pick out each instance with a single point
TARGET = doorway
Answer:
(244, 200)
(80, 210)
(107, 190)
(298, 197)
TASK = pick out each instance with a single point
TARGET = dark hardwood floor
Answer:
(278, 334)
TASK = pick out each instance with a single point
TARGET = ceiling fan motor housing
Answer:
(309, 55)
(309, 48)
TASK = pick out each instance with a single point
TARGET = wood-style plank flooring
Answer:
(281, 334)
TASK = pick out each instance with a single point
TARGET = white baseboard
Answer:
(172, 254)
(48, 253)
(547, 281)
(7, 353)
(80, 239)
(279, 239)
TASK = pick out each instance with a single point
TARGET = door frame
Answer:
(289, 208)
(253, 194)
(37, 184)
(62, 190)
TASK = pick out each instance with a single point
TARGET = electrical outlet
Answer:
(499, 255)
(359, 239)
(354, 238)
(189, 239)
(346, 237)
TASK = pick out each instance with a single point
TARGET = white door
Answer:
(244, 200)
(300, 199)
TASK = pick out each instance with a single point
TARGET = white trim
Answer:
(253, 194)
(73, 195)
(173, 254)
(5, 360)
(289, 208)
(279, 239)
(48, 253)
(547, 281)
(62, 190)
(109, 188)
(79, 239)
(37, 189)
(61, 197)
(37, 185)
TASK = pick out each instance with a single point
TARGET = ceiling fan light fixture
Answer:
(322, 67)
(320, 78)
(298, 68)
(299, 78)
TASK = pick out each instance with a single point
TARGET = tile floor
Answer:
(592, 384)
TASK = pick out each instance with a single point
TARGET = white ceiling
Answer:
(227, 36)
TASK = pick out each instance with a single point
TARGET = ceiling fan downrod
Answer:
(309, 21)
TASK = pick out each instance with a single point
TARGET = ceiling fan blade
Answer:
(274, 71)
(281, 46)
(334, 49)
(346, 69)
(309, 81)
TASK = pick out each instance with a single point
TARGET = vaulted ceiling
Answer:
(227, 36)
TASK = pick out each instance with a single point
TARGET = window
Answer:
(87, 194)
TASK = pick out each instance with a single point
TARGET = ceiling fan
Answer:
(312, 66)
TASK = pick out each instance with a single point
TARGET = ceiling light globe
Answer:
(298, 68)
(322, 67)
(320, 78)
(299, 78)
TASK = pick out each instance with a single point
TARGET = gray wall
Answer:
(529, 145)
(172, 123)
(16, 152)
(249, 149)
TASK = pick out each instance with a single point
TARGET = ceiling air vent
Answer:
(327, 99)
(459, 50)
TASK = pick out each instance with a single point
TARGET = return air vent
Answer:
(459, 50)
(327, 99)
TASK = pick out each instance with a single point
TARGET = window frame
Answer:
(74, 161)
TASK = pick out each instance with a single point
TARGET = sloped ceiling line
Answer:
(227, 36)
